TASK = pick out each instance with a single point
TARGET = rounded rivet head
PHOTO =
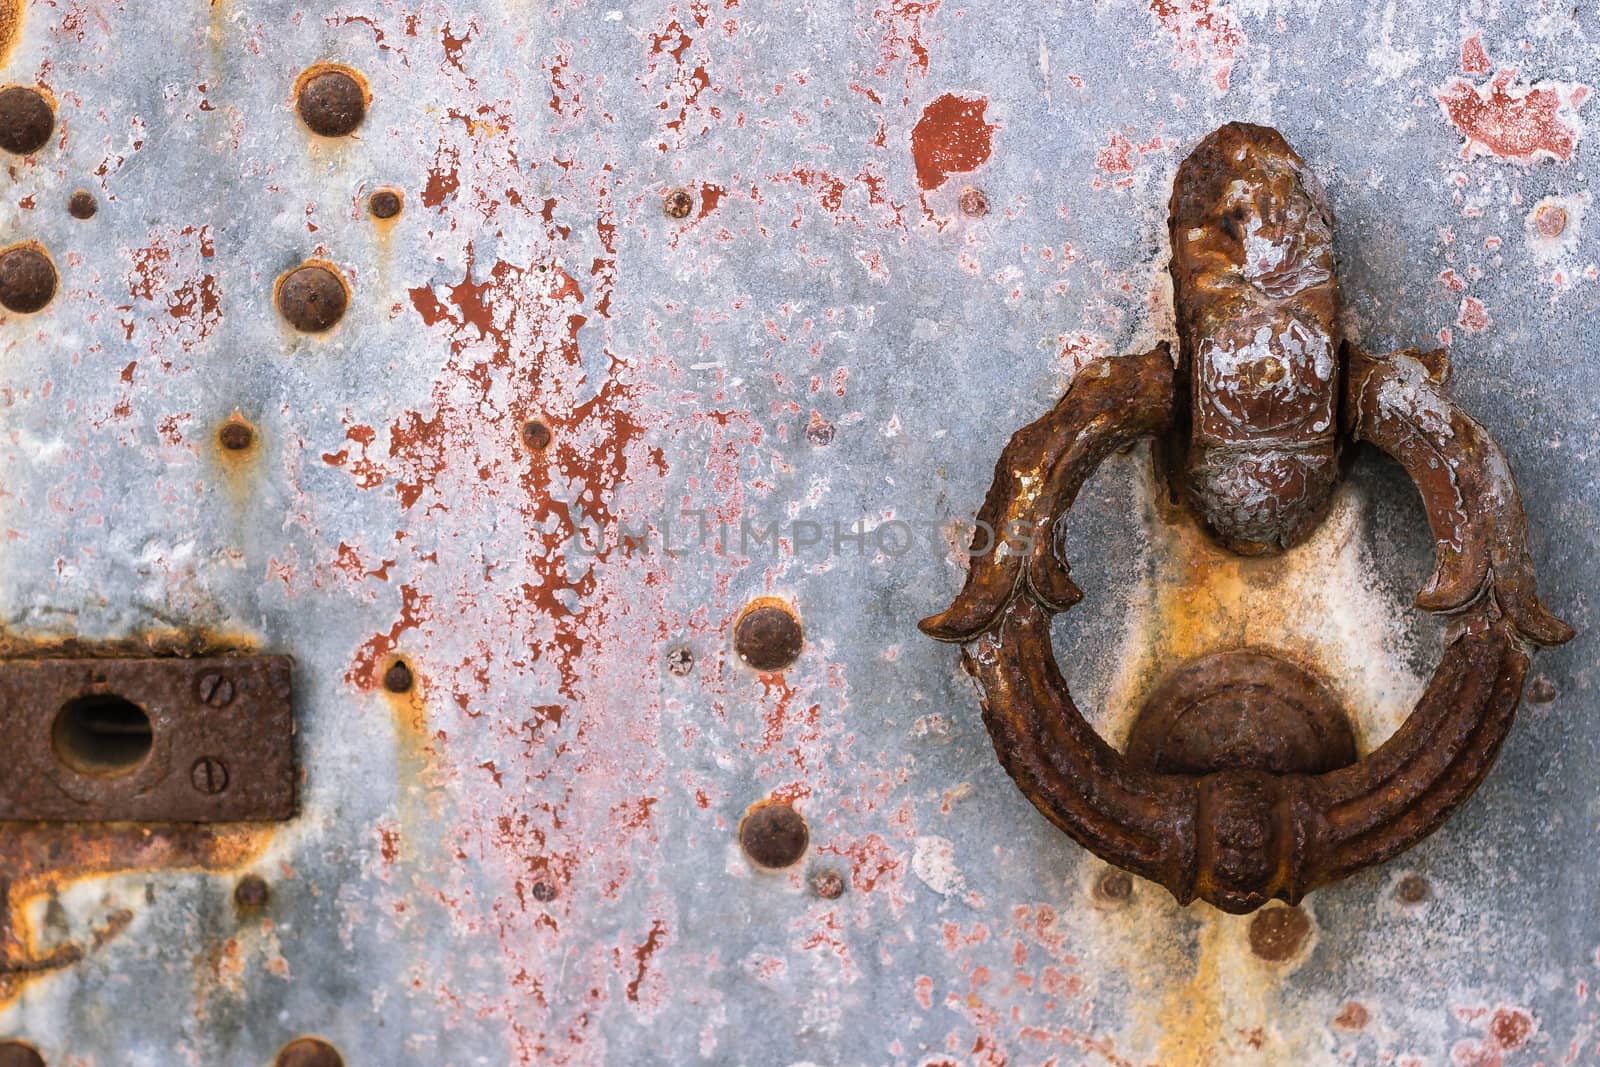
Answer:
(827, 883)
(1114, 887)
(27, 279)
(26, 120)
(16, 1054)
(312, 298)
(252, 892)
(1276, 934)
(973, 203)
(677, 204)
(81, 205)
(332, 102)
(536, 435)
(768, 635)
(236, 436)
(544, 892)
(398, 678)
(774, 835)
(1550, 220)
(385, 203)
(308, 1052)
(1412, 889)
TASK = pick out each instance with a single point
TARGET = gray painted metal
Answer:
(390, 508)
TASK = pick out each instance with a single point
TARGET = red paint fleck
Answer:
(366, 669)
(1474, 318)
(1205, 31)
(1474, 60)
(1452, 281)
(951, 137)
(642, 955)
(1519, 122)
(1510, 1028)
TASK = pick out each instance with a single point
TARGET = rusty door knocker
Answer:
(1252, 421)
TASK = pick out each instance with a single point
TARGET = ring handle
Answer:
(1237, 837)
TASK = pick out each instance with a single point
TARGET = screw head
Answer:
(973, 203)
(308, 1052)
(774, 835)
(81, 205)
(677, 204)
(385, 203)
(536, 435)
(544, 892)
(827, 883)
(209, 775)
(312, 298)
(1276, 934)
(26, 120)
(214, 689)
(27, 279)
(332, 102)
(680, 661)
(398, 678)
(236, 436)
(252, 892)
(17, 1054)
(768, 635)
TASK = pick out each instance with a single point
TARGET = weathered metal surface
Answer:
(147, 740)
(532, 856)
(1232, 820)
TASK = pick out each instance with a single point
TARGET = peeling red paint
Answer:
(1514, 121)
(1474, 60)
(1207, 33)
(951, 137)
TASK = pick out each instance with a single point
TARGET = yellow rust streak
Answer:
(10, 27)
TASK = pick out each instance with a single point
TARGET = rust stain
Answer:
(951, 137)
(10, 27)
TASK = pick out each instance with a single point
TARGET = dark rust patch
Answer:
(27, 279)
(1542, 690)
(678, 204)
(236, 435)
(398, 678)
(536, 435)
(774, 835)
(308, 1052)
(81, 205)
(26, 120)
(1242, 710)
(17, 1054)
(1412, 889)
(312, 298)
(768, 635)
(148, 740)
(385, 203)
(252, 893)
(1276, 934)
(331, 101)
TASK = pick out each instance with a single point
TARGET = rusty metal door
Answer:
(590, 399)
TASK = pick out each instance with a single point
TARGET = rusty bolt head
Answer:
(25, 120)
(827, 883)
(308, 1052)
(1412, 889)
(16, 1054)
(385, 203)
(680, 661)
(1542, 690)
(27, 279)
(312, 298)
(768, 635)
(209, 775)
(973, 203)
(774, 835)
(236, 436)
(81, 205)
(252, 892)
(820, 432)
(1550, 220)
(1276, 934)
(536, 435)
(544, 892)
(1114, 887)
(677, 204)
(398, 678)
(332, 102)
(214, 689)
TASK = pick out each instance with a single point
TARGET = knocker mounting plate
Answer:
(1241, 781)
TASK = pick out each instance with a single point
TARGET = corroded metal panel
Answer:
(677, 300)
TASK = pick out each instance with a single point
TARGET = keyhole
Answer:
(101, 733)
